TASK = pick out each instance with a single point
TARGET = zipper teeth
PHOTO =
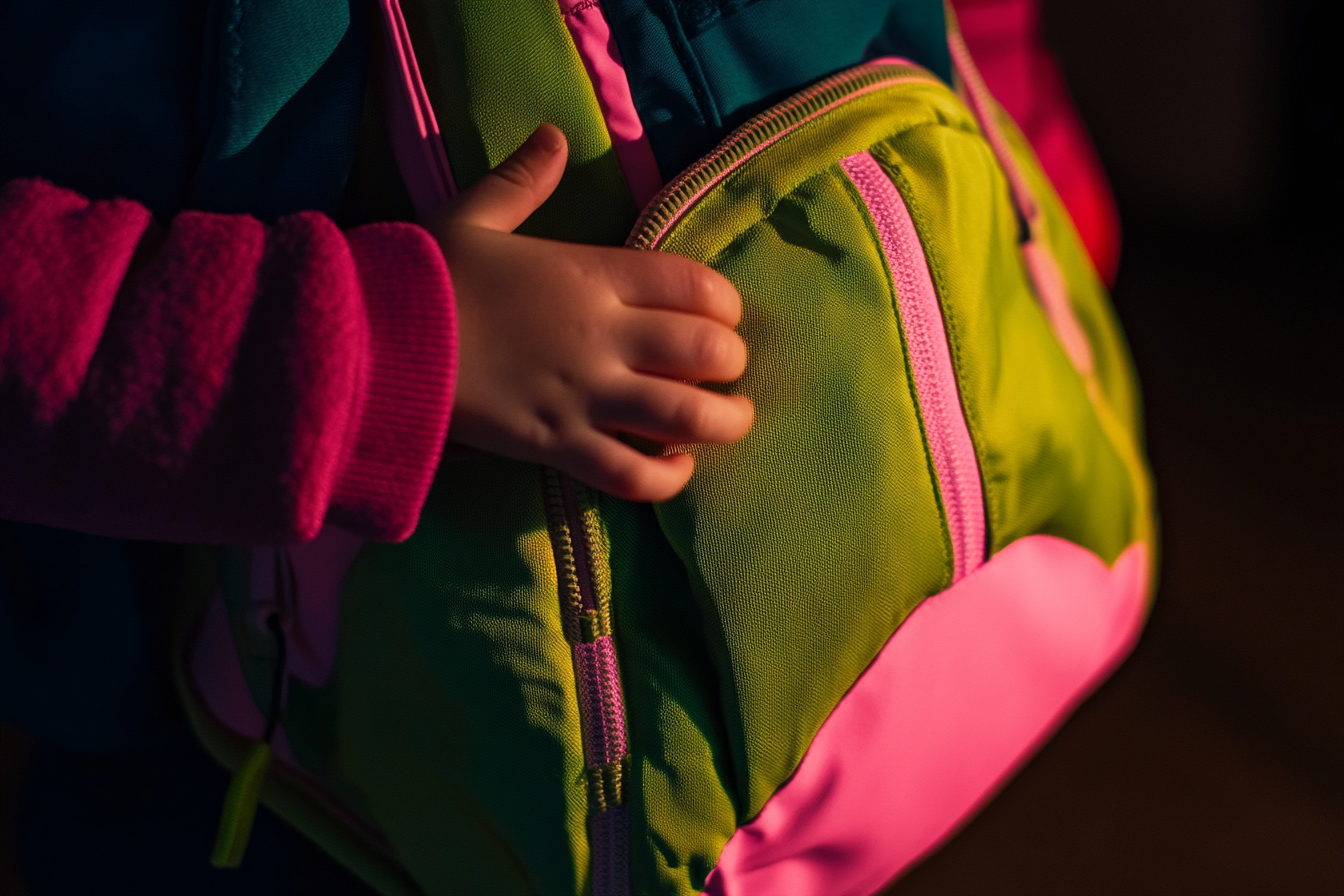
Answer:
(741, 142)
(585, 607)
(956, 466)
(571, 595)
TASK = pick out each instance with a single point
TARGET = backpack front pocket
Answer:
(915, 410)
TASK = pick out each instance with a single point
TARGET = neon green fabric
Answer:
(795, 604)
(450, 720)
(1046, 463)
(781, 530)
(682, 772)
(459, 717)
(494, 72)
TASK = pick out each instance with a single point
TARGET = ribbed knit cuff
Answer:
(408, 395)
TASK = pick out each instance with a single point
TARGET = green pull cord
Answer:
(240, 802)
(240, 807)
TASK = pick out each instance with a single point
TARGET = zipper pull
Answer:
(240, 807)
(244, 793)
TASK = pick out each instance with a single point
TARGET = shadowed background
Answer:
(1213, 762)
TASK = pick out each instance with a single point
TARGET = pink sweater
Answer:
(223, 382)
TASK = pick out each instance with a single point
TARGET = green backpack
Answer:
(808, 669)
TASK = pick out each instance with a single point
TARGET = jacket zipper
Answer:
(582, 571)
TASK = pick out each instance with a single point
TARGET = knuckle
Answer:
(619, 478)
(704, 285)
(717, 352)
(517, 173)
(692, 416)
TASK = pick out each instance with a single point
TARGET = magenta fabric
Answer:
(218, 677)
(949, 437)
(602, 60)
(413, 129)
(224, 381)
(960, 696)
(1004, 37)
(311, 622)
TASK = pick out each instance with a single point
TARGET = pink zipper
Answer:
(1051, 290)
(945, 427)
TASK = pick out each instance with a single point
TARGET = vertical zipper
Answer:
(949, 437)
(583, 574)
(956, 466)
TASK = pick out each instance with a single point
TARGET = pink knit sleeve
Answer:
(233, 383)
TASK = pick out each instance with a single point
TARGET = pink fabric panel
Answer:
(597, 48)
(219, 680)
(954, 460)
(963, 693)
(312, 625)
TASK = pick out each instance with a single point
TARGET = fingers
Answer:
(683, 347)
(607, 464)
(675, 413)
(516, 187)
(672, 283)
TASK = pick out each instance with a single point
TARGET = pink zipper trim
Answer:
(416, 141)
(954, 460)
(981, 102)
(1051, 290)
(602, 60)
(775, 138)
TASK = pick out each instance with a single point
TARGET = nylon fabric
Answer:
(809, 541)
(279, 106)
(681, 770)
(1113, 364)
(745, 609)
(494, 72)
(459, 722)
(1046, 462)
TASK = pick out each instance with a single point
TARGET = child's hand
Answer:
(563, 347)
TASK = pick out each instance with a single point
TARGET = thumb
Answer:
(517, 186)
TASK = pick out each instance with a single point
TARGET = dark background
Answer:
(1213, 762)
